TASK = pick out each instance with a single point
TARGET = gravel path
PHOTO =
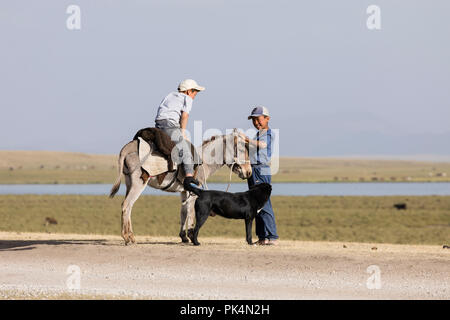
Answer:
(46, 266)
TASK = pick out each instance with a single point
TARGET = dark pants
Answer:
(265, 220)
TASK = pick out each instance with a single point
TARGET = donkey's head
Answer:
(236, 154)
(230, 150)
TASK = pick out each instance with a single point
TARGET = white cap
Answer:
(189, 84)
(259, 111)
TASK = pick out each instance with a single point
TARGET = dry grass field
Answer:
(21, 167)
(347, 219)
(326, 243)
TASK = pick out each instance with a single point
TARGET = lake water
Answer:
(285, 189)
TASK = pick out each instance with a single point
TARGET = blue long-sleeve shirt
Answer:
(262, 156)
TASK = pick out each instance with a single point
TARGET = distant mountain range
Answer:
(432, 147)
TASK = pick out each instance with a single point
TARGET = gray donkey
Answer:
(230, 150)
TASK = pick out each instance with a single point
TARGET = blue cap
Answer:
(259, 111)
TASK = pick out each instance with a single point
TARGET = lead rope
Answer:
(231, 171)
(204, 177)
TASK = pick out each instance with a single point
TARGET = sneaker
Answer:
(187, 183)
(262, 242)
(272, 242)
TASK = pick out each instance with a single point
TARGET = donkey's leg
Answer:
(183, 216)
(123, 216)
(190, 217)
(134, 190)
(187, 215)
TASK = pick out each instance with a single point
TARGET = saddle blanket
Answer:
(152, 161)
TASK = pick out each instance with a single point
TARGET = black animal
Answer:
(240, 205)
(400, 206)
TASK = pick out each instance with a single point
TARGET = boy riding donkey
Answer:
(172, 117)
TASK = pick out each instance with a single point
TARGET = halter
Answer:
(235, 158)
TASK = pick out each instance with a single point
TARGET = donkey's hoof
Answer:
(190, 233)
(183, 237)
(130, 243)
(128, 238)
(125, 239)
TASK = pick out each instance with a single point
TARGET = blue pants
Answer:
(265, 220)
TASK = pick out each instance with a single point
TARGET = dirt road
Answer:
(37, 266)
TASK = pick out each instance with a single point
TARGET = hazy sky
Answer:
(333, 86)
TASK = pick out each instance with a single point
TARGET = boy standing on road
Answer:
(172, 117)
(266, 229)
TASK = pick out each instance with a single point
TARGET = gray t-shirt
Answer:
(171, 107)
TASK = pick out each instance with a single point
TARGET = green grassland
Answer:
(20, 167)
(346, 219)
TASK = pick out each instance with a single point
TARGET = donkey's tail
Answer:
(116, 185)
